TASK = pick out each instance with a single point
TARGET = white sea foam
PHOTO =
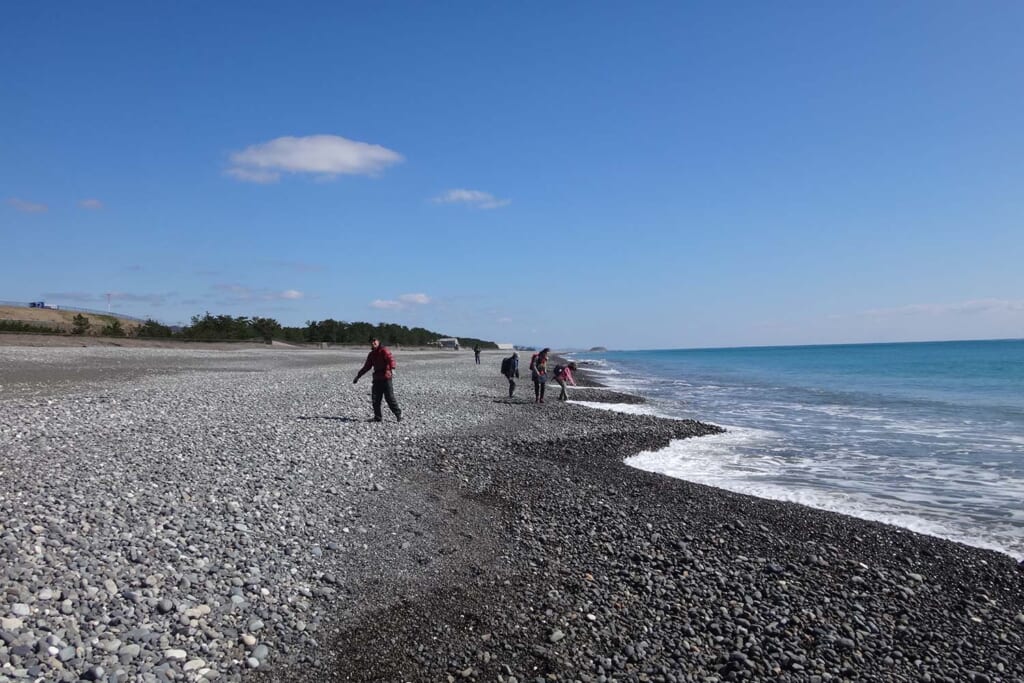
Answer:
(602, 370)
(629, 408)
(722, 461)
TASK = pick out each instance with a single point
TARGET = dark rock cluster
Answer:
(595, 571)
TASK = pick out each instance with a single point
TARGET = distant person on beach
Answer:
(563, 375)
(510, 368)
(383, 364)
(539, 374)
(476, 352)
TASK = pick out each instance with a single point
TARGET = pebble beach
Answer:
(193, 514)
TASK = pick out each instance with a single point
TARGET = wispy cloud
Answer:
(970, 307)
(77, 297)
(323, 156)
(92, 204)
(27, 207)
(403, 301)
(504, 320)
(475, 198)
(238, 292)
(298, 266)
(152, 299)
(157, 299)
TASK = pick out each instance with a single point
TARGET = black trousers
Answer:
(382, 389)
(511, 385)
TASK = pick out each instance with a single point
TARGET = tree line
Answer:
(209, 327)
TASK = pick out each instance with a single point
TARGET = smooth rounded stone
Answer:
(130, 650)
(20, 609)
(1019, 618)
(194, 664)
(252, 662)
(175, 654)
(66, 654)
(248, 639)
(255, 625)
(164, 606)
(94, 673)
(109, 645)
(556, 636)
(261, 652)
(11, 623)
(47, 594)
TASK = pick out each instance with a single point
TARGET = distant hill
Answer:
(598, 348)
(62, 319)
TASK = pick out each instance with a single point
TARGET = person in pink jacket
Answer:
(563, 375)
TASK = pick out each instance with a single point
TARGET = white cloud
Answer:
(504, 320)
(292, 294)
(27, 207)
(475, 198)
(386, 304)
(414, 298)
(93, 204)
(324, 156)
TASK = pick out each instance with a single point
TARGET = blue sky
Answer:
(564, 174)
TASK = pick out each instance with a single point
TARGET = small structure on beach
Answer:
(505, 346)
(448, 343)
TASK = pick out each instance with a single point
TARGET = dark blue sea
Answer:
(927, 436)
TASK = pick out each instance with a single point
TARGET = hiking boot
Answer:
(398, 417)
(375, 419)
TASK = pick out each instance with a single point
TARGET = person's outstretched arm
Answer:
(366, 366)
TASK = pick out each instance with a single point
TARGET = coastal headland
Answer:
(229, 514)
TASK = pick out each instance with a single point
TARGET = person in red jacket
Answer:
(383, 364)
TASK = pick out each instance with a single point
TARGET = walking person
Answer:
(383, 364)
(539, 374)
(510, 368)
(563, 375)
(476, 353)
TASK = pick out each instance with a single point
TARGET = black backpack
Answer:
(506, 366)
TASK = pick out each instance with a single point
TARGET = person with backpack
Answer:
(510, 368)
(476, 353)
(539, 374)
(563, 375)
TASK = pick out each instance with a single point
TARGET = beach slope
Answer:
(181, 514)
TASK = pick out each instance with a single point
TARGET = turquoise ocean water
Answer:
(928, 436)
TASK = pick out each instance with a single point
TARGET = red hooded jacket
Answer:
(382, 362)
